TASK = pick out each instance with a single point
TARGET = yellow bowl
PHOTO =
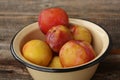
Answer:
(101, 44)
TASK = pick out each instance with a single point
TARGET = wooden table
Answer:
(15, 14)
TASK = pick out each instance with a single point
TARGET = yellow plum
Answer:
(38, 52)
(55, 63)
(81, 33)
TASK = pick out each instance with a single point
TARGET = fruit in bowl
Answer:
(74, 53)
(33, 52)
(81, 33)
(55, 62)
(52, 17)
(57, 36)
(100, 42)
(70, 43)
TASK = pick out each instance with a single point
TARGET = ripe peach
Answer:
(55, 63)
(38, 52)
(75, 53)
(52, 17)
(57, 36)
(81, 33)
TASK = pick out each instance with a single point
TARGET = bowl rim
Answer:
(46, 69)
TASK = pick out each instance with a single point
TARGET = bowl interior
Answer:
(100, 38)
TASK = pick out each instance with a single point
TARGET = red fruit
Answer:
(52, 17)
(57, 36)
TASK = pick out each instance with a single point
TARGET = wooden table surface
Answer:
(15, 14)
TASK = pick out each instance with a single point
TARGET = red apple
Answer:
(57, 36)
(74, 53)
(52, 17)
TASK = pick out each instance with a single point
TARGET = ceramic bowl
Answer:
(101, 44)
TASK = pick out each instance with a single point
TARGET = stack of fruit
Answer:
(66, 44)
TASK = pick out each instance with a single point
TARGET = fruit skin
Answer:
(81, 33)
(88, 48)
(55, 63)
(74, 53)
(52, 17)
(38, 52)
(57, 36)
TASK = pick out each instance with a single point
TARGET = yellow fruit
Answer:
(55, 63)
(81, 33)
(38, 52)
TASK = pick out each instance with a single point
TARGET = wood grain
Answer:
(15, 14)
(12, 70)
